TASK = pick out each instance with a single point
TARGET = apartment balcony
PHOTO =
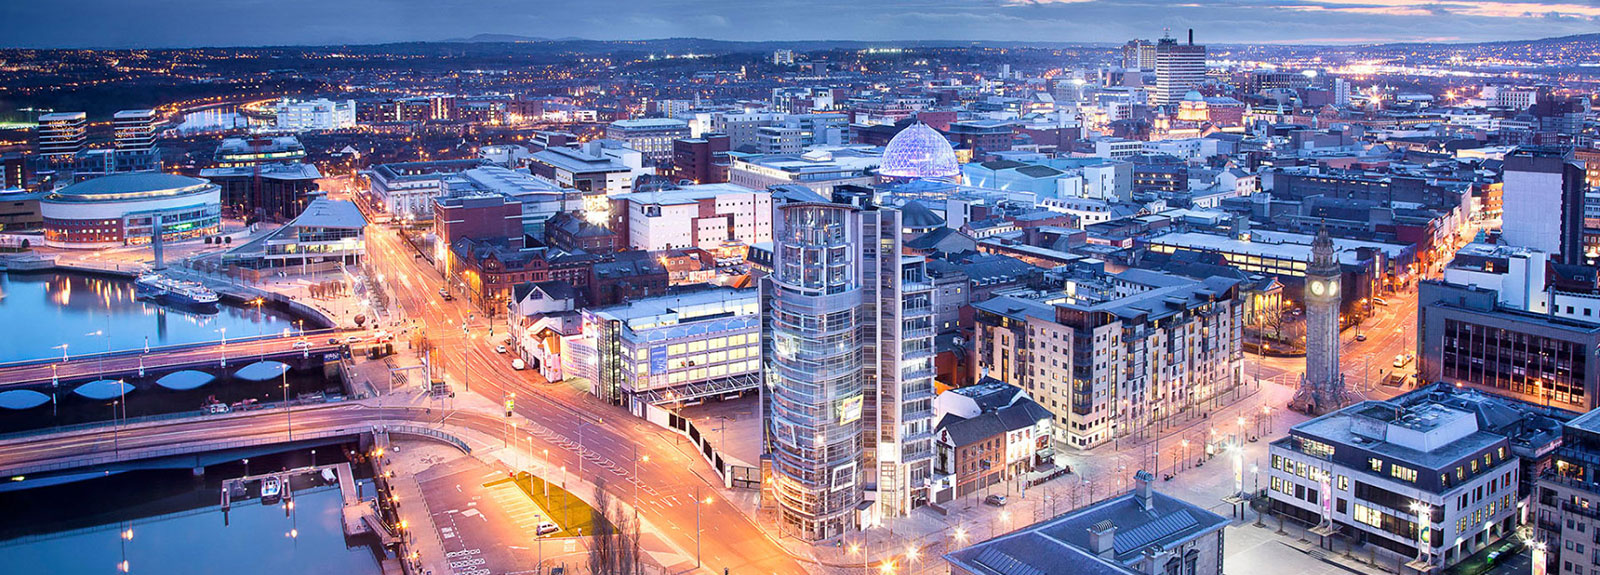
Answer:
(915, 286)
(923, 393)
(911, 374)
(916, 332)
(918, 414)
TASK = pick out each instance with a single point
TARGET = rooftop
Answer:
(1061, 546)
(326, 213)
(130, 185)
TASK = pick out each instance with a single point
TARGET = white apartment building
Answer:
(319, 114)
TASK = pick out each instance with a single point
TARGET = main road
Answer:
(665, 462)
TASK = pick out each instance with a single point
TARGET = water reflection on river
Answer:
(41, 312)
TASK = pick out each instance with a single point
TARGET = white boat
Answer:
(157, 286)
(271, 490)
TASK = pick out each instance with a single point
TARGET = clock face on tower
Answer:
(1316, 288)
(1320, 288)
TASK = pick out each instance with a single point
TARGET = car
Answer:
(1403, 359)
(499, 349)
(546, 527)
(333, 340)
(302, 344)
(382, 336)
(995, 500)
(1380, 301)
(518, 364)
(353, 339)
(1361, 337)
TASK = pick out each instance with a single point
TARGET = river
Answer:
(86, 313)
(177, 528)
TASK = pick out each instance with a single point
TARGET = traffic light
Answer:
(510, 402)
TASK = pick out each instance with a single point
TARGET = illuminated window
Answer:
(1368, 515)
(1403, 473)
(1375, 464)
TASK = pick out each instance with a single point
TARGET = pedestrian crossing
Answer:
(590, 456)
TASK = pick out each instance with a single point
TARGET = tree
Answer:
(615, 545)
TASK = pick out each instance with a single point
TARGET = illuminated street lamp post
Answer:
(697, 500)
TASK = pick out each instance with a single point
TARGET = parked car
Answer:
(518, 364)
(995, 500)
(1403, 359)
(547, 527)
(499, 349)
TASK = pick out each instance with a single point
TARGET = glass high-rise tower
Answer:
(848, 382)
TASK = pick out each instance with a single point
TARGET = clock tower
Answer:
(1322, 387)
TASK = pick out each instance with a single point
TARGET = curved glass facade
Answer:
(814, 369)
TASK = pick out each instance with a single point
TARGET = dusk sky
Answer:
(167, 23)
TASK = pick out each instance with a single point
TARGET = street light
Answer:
(708, 501)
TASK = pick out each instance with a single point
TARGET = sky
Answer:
(185, 23)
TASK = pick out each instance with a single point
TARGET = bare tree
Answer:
(614, 549)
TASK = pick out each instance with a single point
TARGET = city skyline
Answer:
(105, 24)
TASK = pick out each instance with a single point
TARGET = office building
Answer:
(268, 192)
(134, 130)
(1428, 478)
(1466, 337)
(702, 160)
(821, 169)
(1179, 69)
(1542, 203)
(540, 198)
(1115, 354)
(849, 366)
(62, 134)
(13, 171)
(651, 136)
(249, 151)
(318, 114)
(1139, 55)
(121, 210)
(1143, 532)
(583, 171)
(1565, 501)
(327, 236)
(676, 348)
(407, 190)
(712, 217)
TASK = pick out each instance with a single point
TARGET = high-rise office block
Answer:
(134, 130)
(62, 134)
(1542, 203)
(1179, 68)
(848, 392)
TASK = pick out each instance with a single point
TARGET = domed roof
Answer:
(122, 186)
(915, 216)
(919, 152)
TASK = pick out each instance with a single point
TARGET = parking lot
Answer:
(489, 524)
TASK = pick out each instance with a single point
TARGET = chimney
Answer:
(1191, 36)
(1142, 490)
(1102, 538)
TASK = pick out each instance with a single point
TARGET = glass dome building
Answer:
(919, 152)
